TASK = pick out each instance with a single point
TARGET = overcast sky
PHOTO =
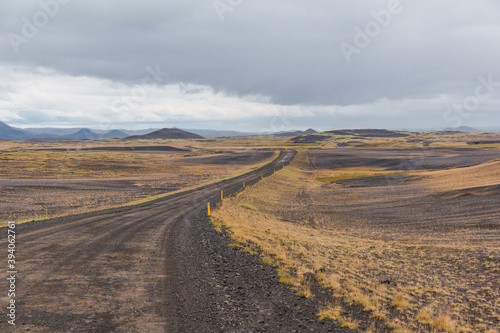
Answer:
(250, 65)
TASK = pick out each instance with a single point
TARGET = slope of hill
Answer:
(50, 132)
(10, 133)
(83, 134)
(207, 133)
(166, 133)
(370, 133)
(462, 129)
(114, 134)
(296, 133)
(482, 175)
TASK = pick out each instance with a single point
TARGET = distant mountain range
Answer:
(115, 134)
(83, 134)
(462, 129)
(296, 133)
(11, 133)
(166, 133)
(370, 132)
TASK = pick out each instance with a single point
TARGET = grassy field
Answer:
(404, 227)
(390, 242)
(41, 184)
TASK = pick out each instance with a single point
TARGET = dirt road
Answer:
(129, 269)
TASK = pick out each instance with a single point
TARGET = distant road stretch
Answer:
(107, 271)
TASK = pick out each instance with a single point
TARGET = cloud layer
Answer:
(370, 64)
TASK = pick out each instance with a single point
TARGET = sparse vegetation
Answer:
(444, 322)
(349, 323)
(340, 234)
(248, 206)
(58, 183)
(425, 315)
(342, 227)
(399, 302)
(331, 311)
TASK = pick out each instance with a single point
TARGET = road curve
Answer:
(109, 270)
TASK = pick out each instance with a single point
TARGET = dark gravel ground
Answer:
(400, 159)
(225, 289)
(154, 267)
(231, 159)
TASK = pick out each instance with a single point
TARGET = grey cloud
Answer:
(287, 50)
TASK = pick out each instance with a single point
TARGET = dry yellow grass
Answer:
(444, 323)
(486, 174)
(399, 302)
(425, 315)
(331, 311)
(44, 184)
(329, 281)
(294, 226)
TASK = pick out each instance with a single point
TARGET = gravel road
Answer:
(154, 267)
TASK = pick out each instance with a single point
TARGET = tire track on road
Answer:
(107, 271)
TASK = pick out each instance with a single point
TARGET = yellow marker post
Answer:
(243, 185)
(222, 195)
(208, 209)
(262, 177)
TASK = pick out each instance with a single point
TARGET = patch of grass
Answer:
(287, 279)
(369, 302)
(344, 177)
(331, 311)
(268, 261)
(245, 205)
(305, 292)
(444, 322)
(304, 225)
(378, 314)
(399, 302)
(425, 315)
(349, 323)
(250, 250)
(305, 289)
(328, 280)
(355, 175)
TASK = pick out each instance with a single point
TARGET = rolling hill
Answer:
(10, 133)
(83, 134)
(165, 133)
(115, 134)
(296, 133)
